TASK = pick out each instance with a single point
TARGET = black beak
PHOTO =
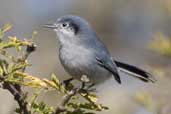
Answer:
(51, 26)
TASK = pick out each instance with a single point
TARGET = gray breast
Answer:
(78, 61)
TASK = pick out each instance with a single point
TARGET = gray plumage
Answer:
(82, 53)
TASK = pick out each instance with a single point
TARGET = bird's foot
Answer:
(67, 84)
(86, 89)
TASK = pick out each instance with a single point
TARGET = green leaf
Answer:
(18, 48)
(7, 45)
(1, 35)
(87, 106)
(55, 80)
(57, 83)
(1, 71)
(18, 66)
(7, 55)
(4, 29)
(91, 97)
(4, 66)
(17, 110)
(73, 105)
(42, 108)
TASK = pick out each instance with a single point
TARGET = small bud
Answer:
(31, 48)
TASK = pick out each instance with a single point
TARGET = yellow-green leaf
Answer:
(1, 71)
(6, 27)
(55, 80)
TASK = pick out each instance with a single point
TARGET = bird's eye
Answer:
(65, 25)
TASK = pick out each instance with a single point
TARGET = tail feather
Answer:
(134, 71)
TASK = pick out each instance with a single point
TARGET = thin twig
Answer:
(61, 106)
(31, 48)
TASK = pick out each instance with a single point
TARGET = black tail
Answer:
(134, 71)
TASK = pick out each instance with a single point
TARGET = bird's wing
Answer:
(110, 66)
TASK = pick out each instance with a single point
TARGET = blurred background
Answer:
(137, 32)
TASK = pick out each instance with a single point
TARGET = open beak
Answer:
(51, 26)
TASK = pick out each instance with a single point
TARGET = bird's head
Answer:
(69, 28)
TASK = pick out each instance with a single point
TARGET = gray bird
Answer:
(83, 54)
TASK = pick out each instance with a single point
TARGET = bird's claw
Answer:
(87, 89)
(67, 84)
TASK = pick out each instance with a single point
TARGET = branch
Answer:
(15, 89)
(61, 106)
(18, 96)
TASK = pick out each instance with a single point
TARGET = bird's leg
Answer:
(82, 88)
(83, 85)
(91, 88)
(88, 88)
(67, 82)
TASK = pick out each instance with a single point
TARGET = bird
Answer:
(85, 57)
